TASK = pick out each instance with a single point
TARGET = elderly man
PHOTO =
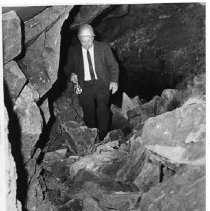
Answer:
(92, 65)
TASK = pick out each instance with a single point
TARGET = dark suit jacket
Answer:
(106, 67)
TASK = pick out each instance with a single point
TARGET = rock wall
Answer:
(31, 61)
(8, 173)
(158, 44)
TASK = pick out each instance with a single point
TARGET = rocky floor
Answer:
(158, 165)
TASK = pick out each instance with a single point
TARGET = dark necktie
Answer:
(92, 75)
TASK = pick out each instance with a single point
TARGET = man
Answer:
(92, 65)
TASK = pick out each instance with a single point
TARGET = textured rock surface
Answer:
(41, 22)
(87, 13)
(82, 139)
(45, 110)
(179, 135)
(41, 61)
(12, 36)
(105, 162)
(128, 104)
(184, 191)
(158, 45)
(14, 79)
(8, 173)
(134, 162)
(30, 120)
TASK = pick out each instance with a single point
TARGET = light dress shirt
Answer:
(87, 76)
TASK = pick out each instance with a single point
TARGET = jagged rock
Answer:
(184, 191)
(170, 100)
(41, 61)
(35, 194)
(56, 137)
(73, 205)
(67, 107)
(120, 201)
(14, 79)
(118, 120)
(134, 161)
(87, 13)
(115, 135)
(31, 165)
(81, 138)
(12, 36)
(30, 120)
(41, 22)
(179, 135)
(91, 205)
(193, 86)
(8, 172)
(129, 104)
(109, 200)
(150, 108)
(45, 110)
(105, 162)
(148, 177)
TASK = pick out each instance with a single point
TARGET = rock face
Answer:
(87, 13)
(12, 36)
(41, 61)
(8, 173)
(14, 79)
(185, 191)
(44, 20)
(30, 120)
(158, 45)
(179, 135)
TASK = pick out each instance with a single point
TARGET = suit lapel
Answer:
(81, 63)
(96, 53)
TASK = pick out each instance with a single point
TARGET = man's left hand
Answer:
(113, 86)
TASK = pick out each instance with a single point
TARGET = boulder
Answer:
(149, 108)
(194, 85)
(12, 36)
(118, 119)
(8, 173)
(115, 135)
(14, 79)
(179, 135)
(183, 191)
(134, 162)
(109, 200)
(91, 205)
(30, 120)
(82, 139)
(67, 107)
(129, 104)
(104, 163)
(170, 100)
(41, 22)
(41, 61)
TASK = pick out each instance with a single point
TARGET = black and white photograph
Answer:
(104, 106)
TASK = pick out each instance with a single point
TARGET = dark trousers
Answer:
(94, 101)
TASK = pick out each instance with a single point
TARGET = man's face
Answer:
(86, 41)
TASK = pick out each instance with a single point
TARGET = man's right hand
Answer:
(74, 78)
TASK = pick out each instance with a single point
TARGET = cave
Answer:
(153, 157)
